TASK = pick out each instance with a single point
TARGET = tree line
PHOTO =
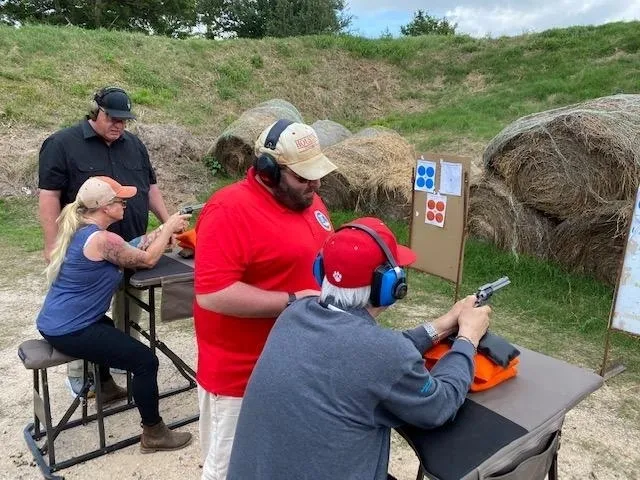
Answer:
(210, 18)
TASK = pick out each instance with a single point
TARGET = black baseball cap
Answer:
(116, 104)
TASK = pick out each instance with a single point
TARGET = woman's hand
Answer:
(177, 223)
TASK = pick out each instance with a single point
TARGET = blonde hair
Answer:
(69, 221)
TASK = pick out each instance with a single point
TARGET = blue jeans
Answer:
(106, 346)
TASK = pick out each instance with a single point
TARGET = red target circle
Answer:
(430, 216)
(439, 217)
(431, 204)
(440, 206)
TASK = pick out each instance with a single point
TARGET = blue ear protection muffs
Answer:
(266, 166)
(389, 281)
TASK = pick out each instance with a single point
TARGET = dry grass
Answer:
(565, 161)
(374, 173)
(594, 241)
(19, 147)
(176, 156)
(234, 148)
(497, 216)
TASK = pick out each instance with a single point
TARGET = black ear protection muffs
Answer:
(389, 281)
(265, 164)
(100, 94)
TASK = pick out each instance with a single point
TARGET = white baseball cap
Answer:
(299, 149)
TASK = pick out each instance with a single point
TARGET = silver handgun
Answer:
(190, 208)
(485, 291)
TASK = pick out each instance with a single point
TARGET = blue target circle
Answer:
(430, 172)
(429, 183)
(421, 170)
(420, 182)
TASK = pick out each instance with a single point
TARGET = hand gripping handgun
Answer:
(494, 346)
(190, 208)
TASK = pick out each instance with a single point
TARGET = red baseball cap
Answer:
(350, 256)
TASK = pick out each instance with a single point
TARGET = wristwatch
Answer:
(292, 298)
(431, 331)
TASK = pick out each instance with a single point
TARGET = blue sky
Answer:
(493, 18)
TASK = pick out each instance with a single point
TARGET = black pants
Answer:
(106, 346)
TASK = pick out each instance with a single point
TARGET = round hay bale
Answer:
(374, 173)
(234, 148)
(566, 160)
(176, 156)
(593, 242)
(330, 132)
(497, 216)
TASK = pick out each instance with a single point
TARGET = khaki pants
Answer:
(75, 368)
(218, 420)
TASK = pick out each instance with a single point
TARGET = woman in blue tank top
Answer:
(84, 272)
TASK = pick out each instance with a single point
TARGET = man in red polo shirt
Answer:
(257, 240)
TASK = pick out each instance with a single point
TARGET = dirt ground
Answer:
(597, 443)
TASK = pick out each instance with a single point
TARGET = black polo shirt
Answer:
(72, 155)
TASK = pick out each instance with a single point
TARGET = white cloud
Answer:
(495, 18)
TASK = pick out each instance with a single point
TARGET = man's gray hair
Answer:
(345, 297)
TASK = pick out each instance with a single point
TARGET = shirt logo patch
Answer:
(337, 276)
(427, 386)
(323, 220)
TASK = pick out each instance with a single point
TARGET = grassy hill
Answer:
(447, 93)
(450, 93)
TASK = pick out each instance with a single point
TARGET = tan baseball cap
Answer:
(97, 192)
(299, 149)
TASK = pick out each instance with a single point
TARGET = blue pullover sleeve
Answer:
(428, 399)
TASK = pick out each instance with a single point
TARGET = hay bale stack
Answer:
(497, 216)
(374, 173)
(234, 148)
(566, 160)
(593, 242)
(176, 156)
(330, 132)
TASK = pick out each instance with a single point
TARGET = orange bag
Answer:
(187, 239)
(487, 374)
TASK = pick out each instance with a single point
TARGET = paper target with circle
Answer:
(436, 210)
(425, 176)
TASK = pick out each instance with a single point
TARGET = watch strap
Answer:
(292, 298)
(431, 331)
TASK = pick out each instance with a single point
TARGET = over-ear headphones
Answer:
(98, 97)
(389, 281)
(265, 164)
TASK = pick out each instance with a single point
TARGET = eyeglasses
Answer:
(120, 201)
(296, 176)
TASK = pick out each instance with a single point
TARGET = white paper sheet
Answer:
(450, 178)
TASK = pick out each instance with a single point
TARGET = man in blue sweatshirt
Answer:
(331, 383)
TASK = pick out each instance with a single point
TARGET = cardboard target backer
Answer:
(437, 228)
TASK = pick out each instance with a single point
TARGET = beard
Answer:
(294, 199)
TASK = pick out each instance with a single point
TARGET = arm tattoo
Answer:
(143, 241)
(119, 252)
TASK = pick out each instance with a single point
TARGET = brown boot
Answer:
(111, 391)
(159, 438)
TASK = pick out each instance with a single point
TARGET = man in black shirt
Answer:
(98, 145)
